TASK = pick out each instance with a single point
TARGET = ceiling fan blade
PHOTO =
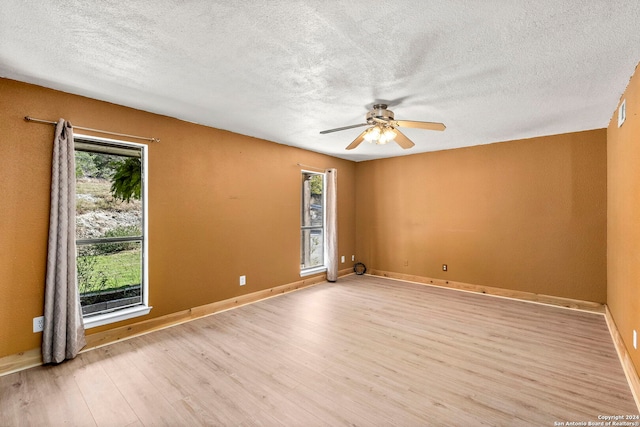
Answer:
(357, 141)
(344, 128)
(402, 140)
(420, 125)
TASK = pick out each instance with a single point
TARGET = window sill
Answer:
(116, 316)
(314, 270)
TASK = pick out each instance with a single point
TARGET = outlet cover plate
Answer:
(38, 324)
(243, 280)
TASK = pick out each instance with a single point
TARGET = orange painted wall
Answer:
(221, 205)
(623, 218)
(525, 215)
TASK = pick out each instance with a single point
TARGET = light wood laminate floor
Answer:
(364, 351)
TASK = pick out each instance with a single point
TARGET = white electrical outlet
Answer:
(342, 259)
(635, 339)
(353, 257)
(243, 280)
(622, 112)
(38, 324)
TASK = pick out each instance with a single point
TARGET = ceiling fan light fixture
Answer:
(384, 135)
(372, 134)
(389, 134)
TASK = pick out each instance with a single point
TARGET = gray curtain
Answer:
(332, 224)
(63, 334)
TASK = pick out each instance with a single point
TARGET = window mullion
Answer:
(108, 240)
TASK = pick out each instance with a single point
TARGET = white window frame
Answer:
(318, 268)
(142, 309)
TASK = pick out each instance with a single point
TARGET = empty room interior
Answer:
(338, 213)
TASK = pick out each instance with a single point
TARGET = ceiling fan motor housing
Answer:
(379, 112)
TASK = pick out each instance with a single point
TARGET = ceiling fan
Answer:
(384, 128)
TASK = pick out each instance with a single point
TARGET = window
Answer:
(313, 223)
(111, 229)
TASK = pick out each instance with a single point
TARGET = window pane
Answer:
(312, 220)
(312, 200)
(103, 182)
(109, 275)
(109, 226)
(312, 254)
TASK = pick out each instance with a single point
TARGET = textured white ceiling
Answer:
(284, 70)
